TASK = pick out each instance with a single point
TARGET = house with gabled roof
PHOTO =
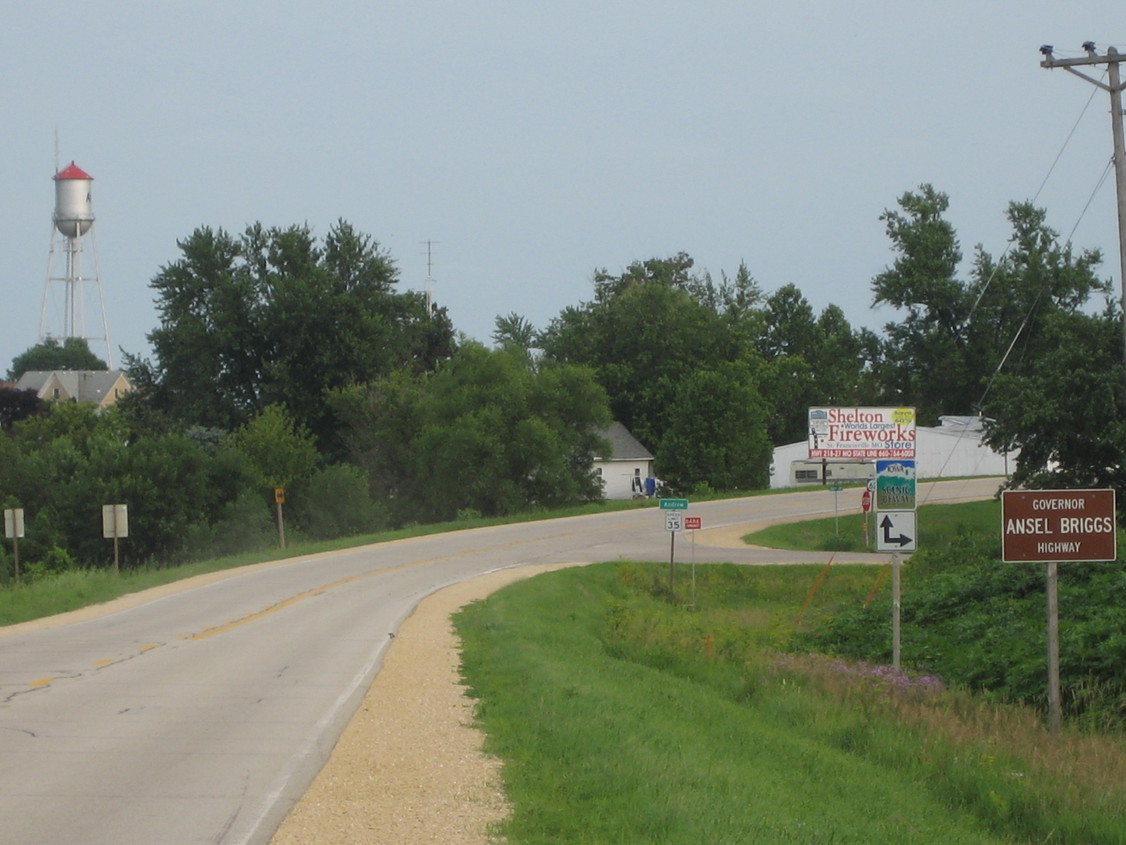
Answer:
(623, 472)
(101, 387)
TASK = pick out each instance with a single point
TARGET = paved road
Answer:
(201, 716)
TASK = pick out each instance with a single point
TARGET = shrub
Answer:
(56, 560)
(244, 525)
(334, 502)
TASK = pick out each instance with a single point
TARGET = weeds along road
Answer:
(202, 715)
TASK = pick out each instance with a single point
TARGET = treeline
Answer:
(284, 361)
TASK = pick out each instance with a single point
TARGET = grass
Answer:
(938, 524)
(623, 717)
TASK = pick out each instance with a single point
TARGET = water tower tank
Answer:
(74, 213)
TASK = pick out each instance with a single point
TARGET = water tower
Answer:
(68, 297)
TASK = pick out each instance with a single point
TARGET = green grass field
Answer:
(938, 524)
(624, 717)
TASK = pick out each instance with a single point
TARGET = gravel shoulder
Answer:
(409, 767)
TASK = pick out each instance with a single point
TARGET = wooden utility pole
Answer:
(1114, 87)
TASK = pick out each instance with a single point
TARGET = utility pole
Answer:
(1114, 87)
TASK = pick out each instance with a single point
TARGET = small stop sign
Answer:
(866, 501)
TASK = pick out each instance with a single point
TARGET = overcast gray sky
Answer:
(535, 142)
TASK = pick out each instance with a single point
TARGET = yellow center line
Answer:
(316, 591)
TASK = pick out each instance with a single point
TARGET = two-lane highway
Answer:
(202, 715)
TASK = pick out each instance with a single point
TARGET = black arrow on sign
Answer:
(902, 539)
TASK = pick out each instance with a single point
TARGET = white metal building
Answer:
(953, 449)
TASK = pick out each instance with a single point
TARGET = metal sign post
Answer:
(866, 506)
(895, 613)
(674, 522)
(693, 524)
(836, 487)
(279, 500)
(13, 530)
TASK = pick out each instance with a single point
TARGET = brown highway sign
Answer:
(1058, 525)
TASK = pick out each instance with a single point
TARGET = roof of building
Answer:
(623, 445)
(73, 171)
(84, 385)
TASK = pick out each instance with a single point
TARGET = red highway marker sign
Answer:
(1058, 525)
(693, 523)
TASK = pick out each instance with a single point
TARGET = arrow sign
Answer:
(897, 532)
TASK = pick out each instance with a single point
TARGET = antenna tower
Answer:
(429, 282)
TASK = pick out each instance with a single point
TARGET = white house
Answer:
(624, 470)
(953, 449)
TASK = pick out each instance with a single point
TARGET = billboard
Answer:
(861, 433)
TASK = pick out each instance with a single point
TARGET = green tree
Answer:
(277, 450)
(513, 330)
(488, 432)
(954, 334)
(644, 331)
(498, 436)
(925, 360)
(809, 360)
(65, 465)
(16, 405)
(334, 502)
(72, 354)
(1065, 408)
(717, 432)
(274, 316)
(379, 422)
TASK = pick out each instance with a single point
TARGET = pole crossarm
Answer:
(1092, 58)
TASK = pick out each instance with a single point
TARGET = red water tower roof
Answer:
(73, 171)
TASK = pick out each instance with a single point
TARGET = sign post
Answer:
(279, 500)
(13, 530)
(1056, 526)
(866, 505)
(674, 522)
(692, 524)
(887, 436)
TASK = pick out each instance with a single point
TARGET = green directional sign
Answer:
(673, 504)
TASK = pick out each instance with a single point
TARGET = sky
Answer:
(534, 143)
